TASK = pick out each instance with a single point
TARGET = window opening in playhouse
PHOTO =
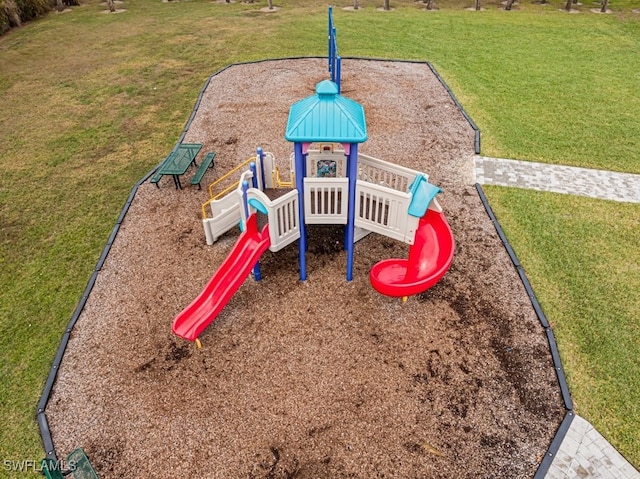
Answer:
(326, 169)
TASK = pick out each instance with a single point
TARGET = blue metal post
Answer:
(257, 274)
(260, 154)
(300, 174)
(245, 200)
(352, 174)
(254, 171)
(334, 53)
(330, 47)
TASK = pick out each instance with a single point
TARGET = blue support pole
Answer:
(334, 61)
(300, 174)
(254, 171)
(257, 274)
(352, 174)
(245, 201)
(260, 154)
(330, 47)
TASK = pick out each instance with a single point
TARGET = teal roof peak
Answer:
(326, 116)
(326, 88)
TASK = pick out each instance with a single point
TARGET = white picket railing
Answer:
(326, 201)
(225, 212)
(383, 173)
(282, 214)
(382, 199)
(384, 210)
(329, 162)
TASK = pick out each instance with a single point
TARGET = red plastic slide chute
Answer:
(429, 259)
(224, 283)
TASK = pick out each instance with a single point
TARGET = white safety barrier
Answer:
(387, 174)
(226, 215)
(225, 212)
(326, 201)
(282, 214)
(384, 210)
(382, 198)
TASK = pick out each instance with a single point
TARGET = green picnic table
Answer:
(178, 162)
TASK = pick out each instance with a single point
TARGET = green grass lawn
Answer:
(90, 102)
(581, 256)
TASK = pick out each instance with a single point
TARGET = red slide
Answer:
(430, 257)
(224, 283)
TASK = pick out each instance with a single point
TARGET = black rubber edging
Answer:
(549, 456)
(41, 416)
(543, 468)
(476, 141)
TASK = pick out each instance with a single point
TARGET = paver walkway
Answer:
(607, 185)
(583, 453)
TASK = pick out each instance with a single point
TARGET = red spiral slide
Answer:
(224, 283)
(429, 259)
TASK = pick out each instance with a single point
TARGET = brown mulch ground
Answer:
(317, 379)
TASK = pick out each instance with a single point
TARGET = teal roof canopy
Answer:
(326, 116)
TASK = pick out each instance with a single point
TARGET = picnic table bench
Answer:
(206, 163)
(177, 163)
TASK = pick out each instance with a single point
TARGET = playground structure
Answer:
(331, 183)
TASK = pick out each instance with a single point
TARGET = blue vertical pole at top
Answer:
(330, 46)
(338, 71)
(352, 174)
(302, 242)
(335, 56)
(257, 273)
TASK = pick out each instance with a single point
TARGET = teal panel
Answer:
(422, 193)
(253, 202)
